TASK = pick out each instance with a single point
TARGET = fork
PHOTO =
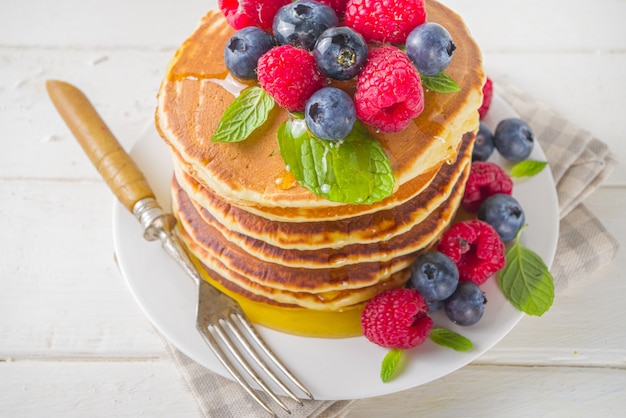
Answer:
(220, 320)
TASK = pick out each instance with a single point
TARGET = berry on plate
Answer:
(483, 146)
(300, 23)
(242, 13)
(514, 139)
(434, 305)
(434, 275)
(385, 21)
(396, 318)
(430, 48)
(389, 90)
(466, 305)
(290, 76)
(485, 179)
(504, 213)
(340, 53)
(487, 97)
(330, 113)
(475, 248)
(243, 50)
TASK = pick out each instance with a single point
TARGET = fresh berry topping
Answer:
(483, 146)
(339, 6)
(434, 275)
(430, 47)
(389, 90)
(396, 318)
(240, 14)
(487, 96)
(504, 213)
(330, 113)
(385, 21)
(290, 76)
(466, 305)
(514, 139)
(340, 53)
(243, 50)
(302, 22)
(475, 248)
(485, 179)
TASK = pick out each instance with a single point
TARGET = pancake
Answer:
(327, 289)
(375, 262)
(332, 301)
(371, 228)
(197, 90)
(311, 214)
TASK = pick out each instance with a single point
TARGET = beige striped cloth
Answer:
(579, 163)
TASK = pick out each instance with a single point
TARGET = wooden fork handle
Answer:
(113, 163)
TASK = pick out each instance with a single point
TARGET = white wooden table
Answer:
(73, 343)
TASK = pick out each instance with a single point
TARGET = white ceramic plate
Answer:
(331, 368)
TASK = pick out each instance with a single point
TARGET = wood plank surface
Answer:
(74, 343)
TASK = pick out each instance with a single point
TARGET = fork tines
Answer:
(226, 330)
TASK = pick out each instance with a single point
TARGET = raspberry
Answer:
(485, 179)
(240, 14)
(339, 6)
(396, 318)
(290, 76)
(389, 90)
(476, 249)
(385, 21)
(487, 95)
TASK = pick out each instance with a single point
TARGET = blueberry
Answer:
(330, 113)
(300, 23)
(466, 305)
(514, 139)
(340, 53)
(484, 145)
(430, 48)
(434, 275)
(433, 305)
(504, 213)
(243, 50)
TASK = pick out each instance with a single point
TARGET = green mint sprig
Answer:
(246, 113)
(450, 339)
(354, 170)
(440, 83)
(528, 168)
(526, 281)
(392, 365)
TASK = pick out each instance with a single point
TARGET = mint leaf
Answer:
(353, 170)
(528, 168)
(246, 113)
(440, 83)
(451, 339)
(391, 365)
(526, 281)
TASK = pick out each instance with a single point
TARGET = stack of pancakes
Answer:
(261, 235)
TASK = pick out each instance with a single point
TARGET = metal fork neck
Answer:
(154, 220)
(160, 225)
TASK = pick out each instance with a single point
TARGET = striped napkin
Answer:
(579, 163)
